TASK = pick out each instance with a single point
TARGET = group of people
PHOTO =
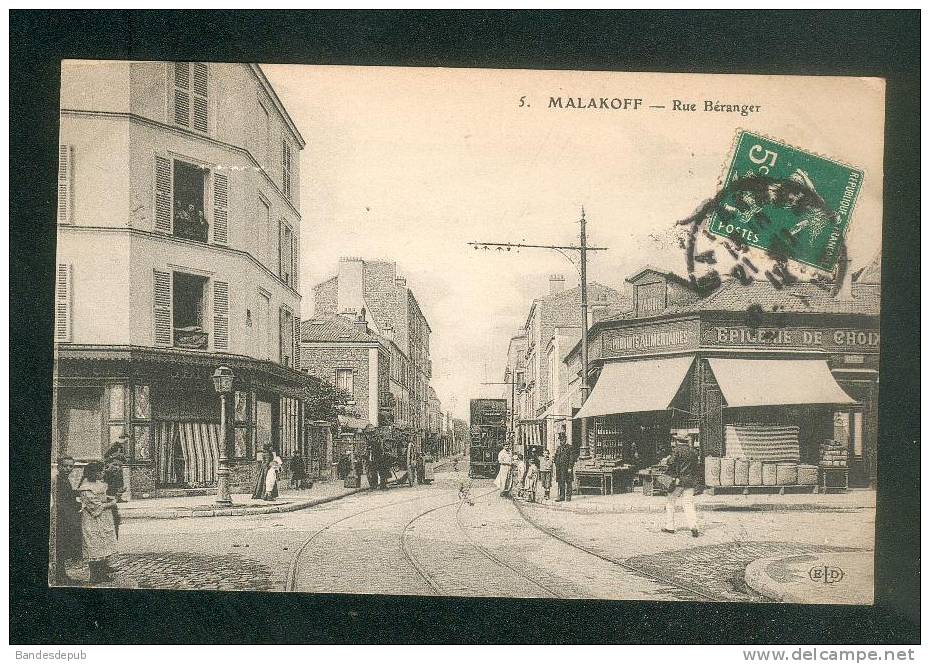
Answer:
(682, 476)
(87, 520)
(266, 484)
(515, 472)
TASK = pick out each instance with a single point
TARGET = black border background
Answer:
(885, 44)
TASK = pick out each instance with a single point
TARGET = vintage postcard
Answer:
(467, 332)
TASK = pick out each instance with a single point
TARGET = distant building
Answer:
(178, 252)
(372, 290)
(559, 310)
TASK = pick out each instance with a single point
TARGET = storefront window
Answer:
(141, 407)
(117, 402)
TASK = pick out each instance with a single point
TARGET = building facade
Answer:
(750, 371)
(178, 251)
(374, 291)
(559, 310)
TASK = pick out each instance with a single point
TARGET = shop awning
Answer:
(636, 386)
(777, 382)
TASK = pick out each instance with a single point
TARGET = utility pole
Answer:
(582, 248)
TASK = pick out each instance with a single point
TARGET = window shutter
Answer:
(286, 168)
(162, 297)
(63, 303)
(65, 184)
(221, 315)
(182, 97)
(296, 337)
(220, 208)
(164, 214)
(281, 336)
(295, 260)
(200, 89)
(280, 248)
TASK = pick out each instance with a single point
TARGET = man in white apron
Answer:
(504, 460)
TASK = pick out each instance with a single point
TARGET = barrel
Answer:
(712, 471)
(769, 474)
(807, 475)
(727, 469)
(786, 474)
(755, 473)
(741, 472)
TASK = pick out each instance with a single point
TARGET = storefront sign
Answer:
(827, 339)
(645, 339)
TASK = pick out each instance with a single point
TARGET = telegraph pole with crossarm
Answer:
(582, 248)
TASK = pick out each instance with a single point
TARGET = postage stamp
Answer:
(792, 203)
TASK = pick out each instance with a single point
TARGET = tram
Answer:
(488, 433)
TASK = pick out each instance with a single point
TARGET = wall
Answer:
(323, 362)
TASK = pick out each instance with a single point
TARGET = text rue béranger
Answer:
(624, 104)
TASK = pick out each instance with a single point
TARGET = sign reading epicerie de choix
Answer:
(791, 337)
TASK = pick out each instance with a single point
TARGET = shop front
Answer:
(770, 400)
(165, 403)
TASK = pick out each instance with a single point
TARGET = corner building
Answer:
(178, 252)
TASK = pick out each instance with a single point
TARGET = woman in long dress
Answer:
(271, 477)
(504, 481)
(98, 525)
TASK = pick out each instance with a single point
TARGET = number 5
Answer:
(754, 158)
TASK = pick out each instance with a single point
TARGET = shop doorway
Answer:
(80, 422)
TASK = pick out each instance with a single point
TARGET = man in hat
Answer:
(683, 466)
(68, 524)
(564, 463)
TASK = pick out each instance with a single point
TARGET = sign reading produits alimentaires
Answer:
(644, 339)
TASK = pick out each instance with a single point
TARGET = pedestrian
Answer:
(271, 477)
(504, 480)
(564, 463)
(113, 461)
(298, 471)
(264, 467)
(531, 480)
(413, 464)
(98, 523)
(545, 473)
(377, 477)
(519, 471)
(67, 521)
(683, 468)
(344, 465)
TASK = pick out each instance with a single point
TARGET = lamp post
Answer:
(223, 383)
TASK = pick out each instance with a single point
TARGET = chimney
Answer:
(400, 281)
(362, 325)
(556, 283)
(845, 273)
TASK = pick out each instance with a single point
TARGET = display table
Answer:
(604, 481)
(834, 479)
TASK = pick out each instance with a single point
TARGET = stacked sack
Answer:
(728, 471)
(833, 453)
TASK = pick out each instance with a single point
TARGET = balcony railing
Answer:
(193, 338)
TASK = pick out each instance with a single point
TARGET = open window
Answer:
(189, 297)
(189, 210)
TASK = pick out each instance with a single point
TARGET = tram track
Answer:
(698, 594)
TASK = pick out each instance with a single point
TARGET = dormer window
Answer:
(650, 298)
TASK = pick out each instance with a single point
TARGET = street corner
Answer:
(815, 578)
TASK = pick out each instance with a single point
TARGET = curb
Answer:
(659, 506)
(174, 513)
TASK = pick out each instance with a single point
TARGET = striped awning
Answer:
(201, 449)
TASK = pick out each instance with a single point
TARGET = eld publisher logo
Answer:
(826, 574)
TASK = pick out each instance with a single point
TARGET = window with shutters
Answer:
(345, 382)
(286, 165)
(189, 185)
(63, 304)
(191, 105)
(65, 184)
(286, 337)
(287, 250)
(188, 300)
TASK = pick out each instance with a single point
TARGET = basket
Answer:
(712, 471)
(755, 473)
(741, 472)
(807, 474)
(727, 469)
(769, 474)
(786, 474)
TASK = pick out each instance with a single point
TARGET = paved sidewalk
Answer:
(243, 504)
(856, 499)
(817, 578)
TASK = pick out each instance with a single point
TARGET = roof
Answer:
(337, 329)
(801, 297)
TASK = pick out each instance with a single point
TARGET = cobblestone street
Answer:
(427, 541)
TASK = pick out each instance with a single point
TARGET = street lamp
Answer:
(223, 383)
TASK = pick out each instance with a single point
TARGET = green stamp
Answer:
(794, 204)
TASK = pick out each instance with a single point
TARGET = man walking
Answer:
(564, 463)
(683, 466)
(68, 521)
